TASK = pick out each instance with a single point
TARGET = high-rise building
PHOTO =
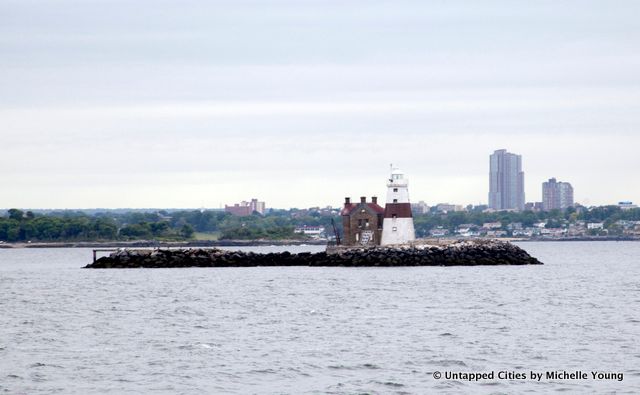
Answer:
(556, 195)
(246, 208)
(257, 206)
(420, 208)
(506, 181)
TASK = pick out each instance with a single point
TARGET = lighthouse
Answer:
(397, 227)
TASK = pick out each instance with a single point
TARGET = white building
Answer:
(492, 225)
(310, 230)
(439, 232)
(627, 205)
(447, 208)
(397, 227)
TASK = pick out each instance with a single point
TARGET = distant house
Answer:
(362, 222)
(467, 230)
(576, 229)
(468, 233)
(528, 232)
(492, 225)
(464, 228)
(627, 205)
(497, 233)
(439, 232)
(554, 232)
(313, 231)
(514, 226)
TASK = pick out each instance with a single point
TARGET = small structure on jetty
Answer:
(367, 224)
(461, 253)
(362, 222)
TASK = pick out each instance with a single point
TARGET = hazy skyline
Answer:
(197, 104)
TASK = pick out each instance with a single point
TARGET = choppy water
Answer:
(319, 330)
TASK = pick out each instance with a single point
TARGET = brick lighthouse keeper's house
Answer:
(362, 222)
(397, 227)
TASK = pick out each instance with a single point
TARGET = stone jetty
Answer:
(461, 253)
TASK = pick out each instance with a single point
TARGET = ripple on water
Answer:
(448, 362)
(390, 384)
(354, 367)
(317, 330)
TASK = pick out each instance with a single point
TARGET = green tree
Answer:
(159, 228)
(187, 231)
(139, 230)
(16, 214)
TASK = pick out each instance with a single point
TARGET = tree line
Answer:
(553, 219)
(58, 226)
(20, 226)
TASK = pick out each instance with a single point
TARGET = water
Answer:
(319, 330)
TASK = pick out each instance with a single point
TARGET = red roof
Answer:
(349, 208)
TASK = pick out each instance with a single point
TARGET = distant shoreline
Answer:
(251, 243)
(147, 244)
(585, 238)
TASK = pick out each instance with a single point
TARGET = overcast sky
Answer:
(300, 103)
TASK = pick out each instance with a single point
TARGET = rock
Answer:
(461, 253)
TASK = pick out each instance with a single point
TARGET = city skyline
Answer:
(200, 104)
(517, 165)
(501, 161)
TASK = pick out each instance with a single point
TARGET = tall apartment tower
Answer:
(506, 181)
(397, 227)
(556, 195)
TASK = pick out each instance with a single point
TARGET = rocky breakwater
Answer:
(462, 253)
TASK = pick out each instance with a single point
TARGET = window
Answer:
(395, 229)
(395, 189)
(395, 200)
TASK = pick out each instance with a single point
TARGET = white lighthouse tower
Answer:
(397, 227)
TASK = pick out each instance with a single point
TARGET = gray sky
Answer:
(300, 103)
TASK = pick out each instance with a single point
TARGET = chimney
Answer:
(374, 199)
(347, 200)
(363, 199)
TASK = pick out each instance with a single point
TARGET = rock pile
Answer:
(463, 253)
